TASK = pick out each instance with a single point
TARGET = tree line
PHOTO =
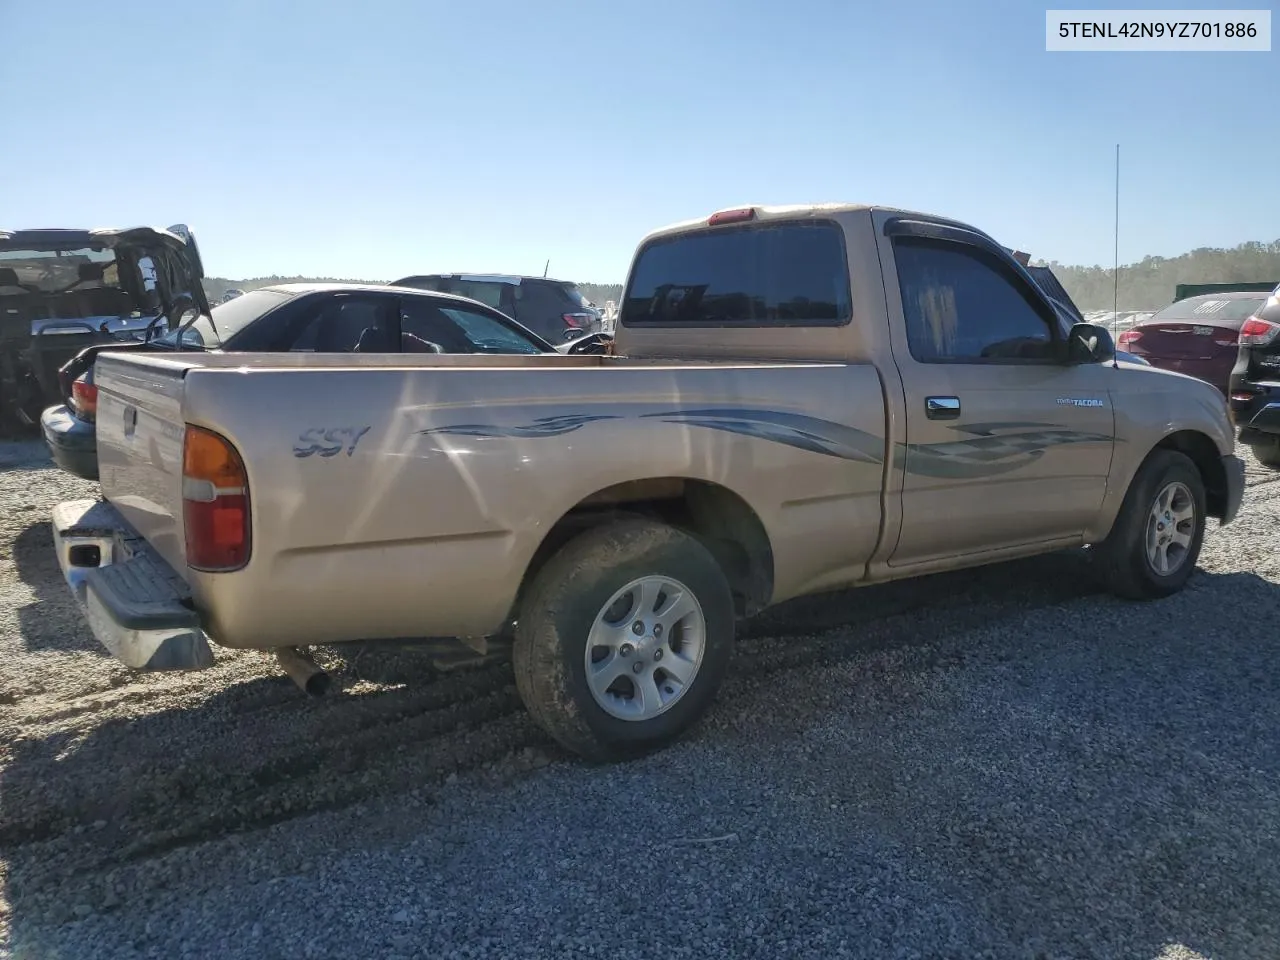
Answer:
(1150, 284)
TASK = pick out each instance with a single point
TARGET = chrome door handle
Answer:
(942, 408)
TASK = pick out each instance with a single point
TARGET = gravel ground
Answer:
(995, 763)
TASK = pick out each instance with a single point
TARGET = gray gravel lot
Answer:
(995, 763)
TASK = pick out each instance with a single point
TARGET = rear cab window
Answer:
(774, 273)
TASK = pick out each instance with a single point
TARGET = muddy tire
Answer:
(1267, 453)
(1152, 550)
(623, 639)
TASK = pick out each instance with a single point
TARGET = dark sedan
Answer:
(303, 318)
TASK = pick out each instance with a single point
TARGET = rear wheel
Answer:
(1267, 452)
(1152, 550)
(623, 639)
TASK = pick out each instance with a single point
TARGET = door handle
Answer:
(942, 408)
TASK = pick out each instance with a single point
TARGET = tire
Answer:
(1267, 453)
(574, 594)
(1123, 558)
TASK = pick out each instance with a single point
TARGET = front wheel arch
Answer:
(1200, 449)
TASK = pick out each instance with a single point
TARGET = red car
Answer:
(1197, 336)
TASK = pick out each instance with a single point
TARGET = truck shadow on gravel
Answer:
(1061, 772)
(52, 621)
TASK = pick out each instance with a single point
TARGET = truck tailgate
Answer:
(140, 430)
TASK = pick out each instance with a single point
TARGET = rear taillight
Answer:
(578, 321)
(215, 502)
(1128, 337)
(1257, 333)
(84, 399)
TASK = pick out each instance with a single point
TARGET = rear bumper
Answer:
(72, 442)
(1234, 469)
(136, 605)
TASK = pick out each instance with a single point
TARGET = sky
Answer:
(381, 138)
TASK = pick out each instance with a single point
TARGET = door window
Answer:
(345, 324)
(964, 305)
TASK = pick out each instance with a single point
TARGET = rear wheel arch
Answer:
(719, 518)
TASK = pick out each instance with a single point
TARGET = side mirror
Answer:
(1090, 343)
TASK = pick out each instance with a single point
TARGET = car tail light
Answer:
(84, 399)
(578, 321)
(1128, 337)
(1258, 333)
(732, 216)
(215, 502)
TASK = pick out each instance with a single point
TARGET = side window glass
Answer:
(346, 324)
(425, 329)
(960, 305)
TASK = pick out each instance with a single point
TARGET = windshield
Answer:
(1211, 308)
(229, 318)
(57, 271)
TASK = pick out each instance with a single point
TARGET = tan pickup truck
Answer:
(800, 399)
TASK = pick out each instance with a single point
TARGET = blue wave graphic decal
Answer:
(541, 427)
(795, 430)
(980, 449)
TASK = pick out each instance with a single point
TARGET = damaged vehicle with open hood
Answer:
(62, 290)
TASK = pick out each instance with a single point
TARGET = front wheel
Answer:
(623, 639)
(1152, 550)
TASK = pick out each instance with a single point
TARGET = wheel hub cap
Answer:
(1171, 528)
(645, 648)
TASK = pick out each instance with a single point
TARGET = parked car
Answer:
(62, 289)
(1196, 336)
(616, 515)
(299, 318)
(1255, 382)
(556, 310)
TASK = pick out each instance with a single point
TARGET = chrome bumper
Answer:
(136, 605)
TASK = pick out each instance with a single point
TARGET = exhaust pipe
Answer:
(302, 670)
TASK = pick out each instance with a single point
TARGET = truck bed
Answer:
(418, 488)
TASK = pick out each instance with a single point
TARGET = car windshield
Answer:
(1210, 308)
(57, 271)
(228, 319)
